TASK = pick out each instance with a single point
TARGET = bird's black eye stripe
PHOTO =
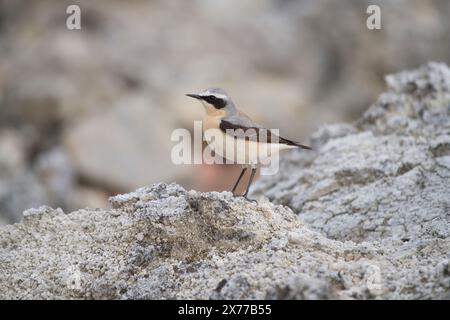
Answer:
(216, 102)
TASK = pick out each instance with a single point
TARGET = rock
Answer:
(86, 197)
(55, 172)
(363, 216)
(385, 177)
(47, 182)
(159, 241)
(126, 137)
(12, 154)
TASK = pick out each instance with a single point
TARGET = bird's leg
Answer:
(249, 183)
(238, 180)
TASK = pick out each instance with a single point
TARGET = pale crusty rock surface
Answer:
(365, 215)
(386, 177)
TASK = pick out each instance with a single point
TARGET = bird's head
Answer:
(215, 100)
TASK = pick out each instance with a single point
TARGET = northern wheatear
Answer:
(235, 137)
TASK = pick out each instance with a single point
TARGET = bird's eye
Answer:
(218, 103)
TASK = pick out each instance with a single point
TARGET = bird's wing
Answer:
(242, 127)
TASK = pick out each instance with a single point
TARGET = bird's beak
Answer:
(196, 96)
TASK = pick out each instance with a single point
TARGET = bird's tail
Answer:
(302, 146)
(293, 143)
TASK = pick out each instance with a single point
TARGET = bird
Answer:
(237, 137)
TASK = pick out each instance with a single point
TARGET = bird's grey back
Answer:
(242, 120)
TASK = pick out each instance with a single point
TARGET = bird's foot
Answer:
(251, 200)
(246, 198)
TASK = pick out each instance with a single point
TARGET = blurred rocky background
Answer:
(88, 113)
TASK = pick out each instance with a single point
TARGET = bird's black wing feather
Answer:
(253, 133)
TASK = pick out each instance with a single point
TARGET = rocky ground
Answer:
(366, 215)
(66, 95)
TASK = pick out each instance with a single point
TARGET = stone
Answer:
(127, 136)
